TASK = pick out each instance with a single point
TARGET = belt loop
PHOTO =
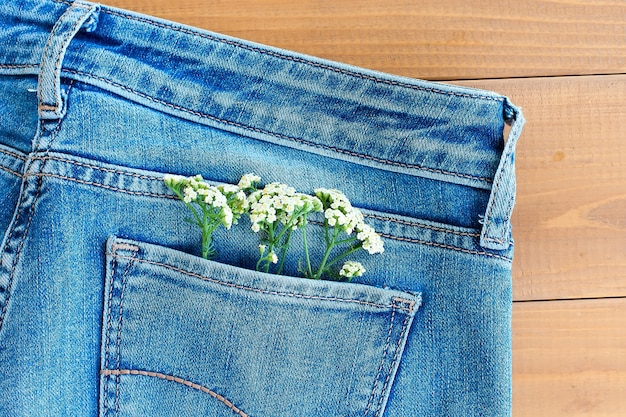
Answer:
(496, 230)
(79, 14)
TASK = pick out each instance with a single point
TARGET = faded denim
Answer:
(106, 308)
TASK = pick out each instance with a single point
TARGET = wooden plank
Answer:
(569, 358)
(455, 39)
(570, 219)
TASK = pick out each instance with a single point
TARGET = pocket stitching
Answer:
(119, 328)
(179, 380)
(382, 363)
(409, 309)
(393, 364)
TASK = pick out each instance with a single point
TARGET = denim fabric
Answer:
(106, 307)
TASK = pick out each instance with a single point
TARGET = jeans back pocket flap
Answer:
(183, 333)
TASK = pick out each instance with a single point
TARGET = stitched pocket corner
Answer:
(183, 333)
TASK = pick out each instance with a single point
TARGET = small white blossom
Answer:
(273, 257)
(372, 242)
(172, 180)
(277, 202)
(338, 210)
(248, 181)
(262, 249)
(189, 194)
(352, 269)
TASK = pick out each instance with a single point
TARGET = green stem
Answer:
(179, 195)
(343, 255)
(329, 248)
(352, 239)
(306, 251)
(326, 231)
(284, 252)
(271, 242)
(289, 224)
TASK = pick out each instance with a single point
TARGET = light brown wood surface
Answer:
(564, 63)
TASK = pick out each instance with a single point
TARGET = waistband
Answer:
(420, 128)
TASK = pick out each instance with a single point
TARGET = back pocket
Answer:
(184, 336)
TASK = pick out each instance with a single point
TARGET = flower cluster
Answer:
(210, 205)
(351, 269)
(278, 202)
(275, 212)
(338, 210)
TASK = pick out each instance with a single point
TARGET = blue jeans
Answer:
(106, 307)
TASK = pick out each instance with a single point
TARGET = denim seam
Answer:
(114, 171)
(13, 154)
(409, 310)
(282, 136)
(19, 66)
(295, 59)
(108, 187)
(9, 170)
(442, 245)
(28, 223)
(119, 331)
(382, 363)
(179, 380)
(393, 364)
(408, 223)
(388, 236)
(108, 334)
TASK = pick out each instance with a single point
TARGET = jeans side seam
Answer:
(282, 136)
(172, 378)
(277, 293)
(382, 363)
(28, 222)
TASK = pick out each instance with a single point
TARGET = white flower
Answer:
(352, 269)
(273, 257)
(338, 210)
(227, 217)
(248, 181)
(277, 202)
(371, 240)
(189, 194)
(172, 180)
(262, 249)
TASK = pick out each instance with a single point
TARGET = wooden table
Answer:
(564, 62)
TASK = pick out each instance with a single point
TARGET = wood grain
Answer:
(570, 218)
(569, 358)
(455, 39)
